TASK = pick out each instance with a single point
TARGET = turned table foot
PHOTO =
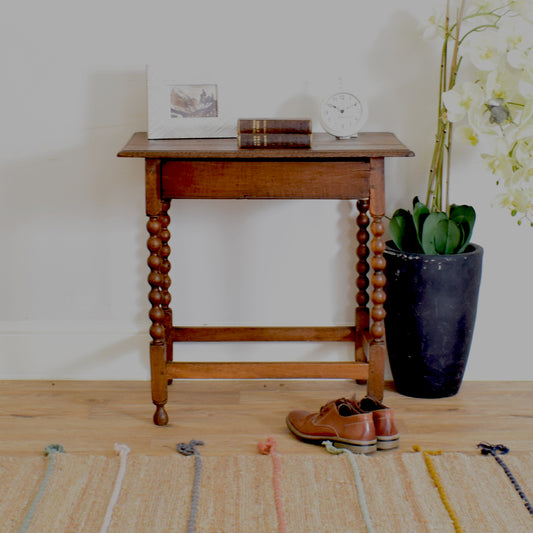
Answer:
(160, 415)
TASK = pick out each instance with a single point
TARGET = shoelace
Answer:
(339, 402)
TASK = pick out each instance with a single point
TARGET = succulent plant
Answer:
(432, 232)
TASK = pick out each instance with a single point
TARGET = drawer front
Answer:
(265, 179)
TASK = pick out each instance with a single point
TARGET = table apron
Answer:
(265, 179)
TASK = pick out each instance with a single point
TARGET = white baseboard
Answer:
(73, 350)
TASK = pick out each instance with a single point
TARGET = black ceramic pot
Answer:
(431, 311)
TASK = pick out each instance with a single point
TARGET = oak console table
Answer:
(216, 168)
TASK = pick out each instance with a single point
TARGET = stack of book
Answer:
(274, 133)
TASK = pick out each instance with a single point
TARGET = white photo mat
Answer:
(180, 108)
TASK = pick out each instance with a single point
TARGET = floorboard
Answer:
(231, 417)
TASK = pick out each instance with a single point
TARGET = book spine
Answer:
(275, 140)
(274, 125)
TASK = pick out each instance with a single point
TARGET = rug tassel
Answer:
(270, 448)
(50, 451)
(499, 449)
(440, 487)
(330, 447)
(192, 449)
(123, 451)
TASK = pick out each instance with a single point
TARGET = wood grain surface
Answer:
(231, 417)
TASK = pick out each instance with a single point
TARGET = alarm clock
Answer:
(343, 114)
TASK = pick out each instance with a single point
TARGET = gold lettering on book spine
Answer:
(260, 140)
(259, 126)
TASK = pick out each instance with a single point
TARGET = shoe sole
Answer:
(363, 446)
(388, 443)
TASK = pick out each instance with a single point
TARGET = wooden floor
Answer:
(231, 417)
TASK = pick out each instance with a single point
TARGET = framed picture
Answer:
(187, 108)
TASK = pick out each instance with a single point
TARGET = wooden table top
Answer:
(367, 144)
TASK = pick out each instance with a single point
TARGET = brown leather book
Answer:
(273, 125)
(274, 140)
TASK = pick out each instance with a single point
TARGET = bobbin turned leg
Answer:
(157, 316)
(362, 268)
(377, 349)
(164, 253)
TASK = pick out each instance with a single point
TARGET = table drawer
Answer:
(265, 179)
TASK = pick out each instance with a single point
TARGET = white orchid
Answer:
(468, 135)
(523, 154)
(515, 34)
(517, 199)
(462, 99)
(483, 50)
(494, 107)
(498, 161)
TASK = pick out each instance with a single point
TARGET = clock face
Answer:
(343, 114)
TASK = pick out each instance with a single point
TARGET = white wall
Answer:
(73, 271)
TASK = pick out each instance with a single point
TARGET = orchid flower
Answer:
(486, 90)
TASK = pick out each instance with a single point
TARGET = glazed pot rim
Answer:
(471, 249)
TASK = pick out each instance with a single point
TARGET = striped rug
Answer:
(271, 492)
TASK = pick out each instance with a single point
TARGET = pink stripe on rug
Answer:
(270, 448)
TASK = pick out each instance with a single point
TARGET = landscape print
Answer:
(193, 101)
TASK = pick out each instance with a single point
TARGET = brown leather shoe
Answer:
(387, 433)
(338, 421)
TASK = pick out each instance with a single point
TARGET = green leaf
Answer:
(441, 235)
(448, 237)
(403, 233)
(420, 213)
(429, 232)
(465, 217)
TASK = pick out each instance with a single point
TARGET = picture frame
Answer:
(193, 107)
